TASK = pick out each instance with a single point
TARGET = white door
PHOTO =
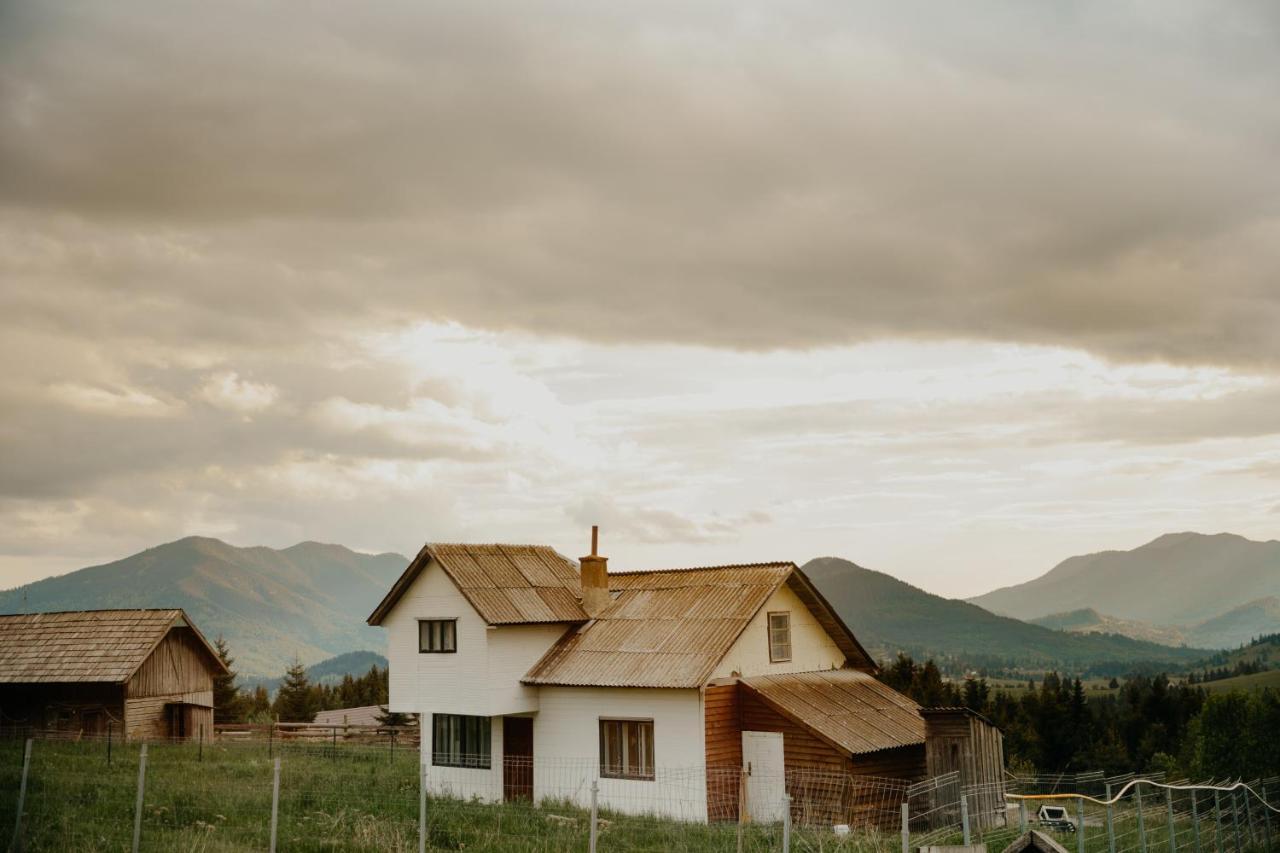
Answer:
(766, 776)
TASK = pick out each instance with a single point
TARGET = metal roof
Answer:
(846, 707)
(671, 628)
(506, 584)
(87, 646)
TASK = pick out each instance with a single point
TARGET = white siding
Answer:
(482, 678)
(812, 648)
(566, 746)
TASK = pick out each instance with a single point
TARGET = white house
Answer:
(533, 674)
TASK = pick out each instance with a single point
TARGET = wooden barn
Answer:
(143, 674)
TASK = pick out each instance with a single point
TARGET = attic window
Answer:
(779, 636)
(437, 635)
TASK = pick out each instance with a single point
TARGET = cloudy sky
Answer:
(952, 290)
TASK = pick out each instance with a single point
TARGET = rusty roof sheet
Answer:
(88, 646)
(664, 628)
(506, 584)
(846, 707)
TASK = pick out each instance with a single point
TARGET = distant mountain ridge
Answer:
(1237, 627)
(329, 671)
(1179, 579)
(889, 615)
(308, 601)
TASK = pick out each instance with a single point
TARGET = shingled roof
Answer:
(90, 646)
(847, 708)
(506, 584)
(672, 628)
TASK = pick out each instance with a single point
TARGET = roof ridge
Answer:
(96, 610)
(775, 563)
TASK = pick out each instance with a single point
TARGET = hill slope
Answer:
(308, 601)
(889, 616)
(328, 671)
(1177, 579)
(1090, 621)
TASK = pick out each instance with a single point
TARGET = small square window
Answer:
(626, 749)
(461, 741)
(779, 637)
(437, 635)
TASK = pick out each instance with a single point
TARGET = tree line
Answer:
(1146, 723)
(298, 699)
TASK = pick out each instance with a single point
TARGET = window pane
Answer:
(461, 741)
(447, 636)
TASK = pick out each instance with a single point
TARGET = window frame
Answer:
(645, 739)
(479, 758)
(769, 636)
(452, 622)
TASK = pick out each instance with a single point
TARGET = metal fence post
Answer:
(1142, 827)
(22, 797)
(137, 807)
(1173, 836)
(964, 818)
(595, 814)
(201, 753)
(1022, 816)
(786, 823)
(1195, 820)
(742, 804)
(422, 806)
(906, 828)
(109, 743)
(1080, 824)
(275, 803)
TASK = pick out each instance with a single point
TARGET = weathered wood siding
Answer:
(964, 743)
(177, 672)
(723, 737)
(76, 709)
(178, 665)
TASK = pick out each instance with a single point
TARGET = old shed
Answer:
(146, 674)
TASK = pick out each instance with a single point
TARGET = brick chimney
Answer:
(595, 578)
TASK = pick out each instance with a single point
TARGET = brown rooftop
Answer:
(848, 708)
(506, 584)
(89, 646)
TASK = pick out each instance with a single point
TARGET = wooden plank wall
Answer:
(723, 738)
(77, 709)
(179, 664)
(967, 744)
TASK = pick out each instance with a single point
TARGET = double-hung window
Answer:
(437, 635)
(626, 749)
(458, 740)
(779, 636)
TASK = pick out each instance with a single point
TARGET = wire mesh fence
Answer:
(311, 794)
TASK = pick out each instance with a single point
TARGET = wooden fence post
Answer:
(786, 823)
(22, 798)
(1079, 824)
(275, 803)
(595, 815)
(1195, 820)
(422, 805)
(137, 807)
(1142, 827)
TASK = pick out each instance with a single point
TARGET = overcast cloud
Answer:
(952, 290)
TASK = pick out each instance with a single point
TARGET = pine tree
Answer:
(296, 701)
(227, 702)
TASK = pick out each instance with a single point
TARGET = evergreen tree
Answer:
(228, 704)
(296, 701)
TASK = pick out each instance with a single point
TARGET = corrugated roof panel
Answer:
(846, 706)
(531, 606)
(494, 606)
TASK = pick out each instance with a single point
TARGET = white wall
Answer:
(566, 747)
(483, 677)
(811, 647)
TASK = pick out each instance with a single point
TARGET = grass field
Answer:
(366, 799)
(1257, 681)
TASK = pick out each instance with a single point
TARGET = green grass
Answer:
(1257, 681)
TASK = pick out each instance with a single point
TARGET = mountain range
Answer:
(891, 616)
(307, 602)
(1220, 591)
